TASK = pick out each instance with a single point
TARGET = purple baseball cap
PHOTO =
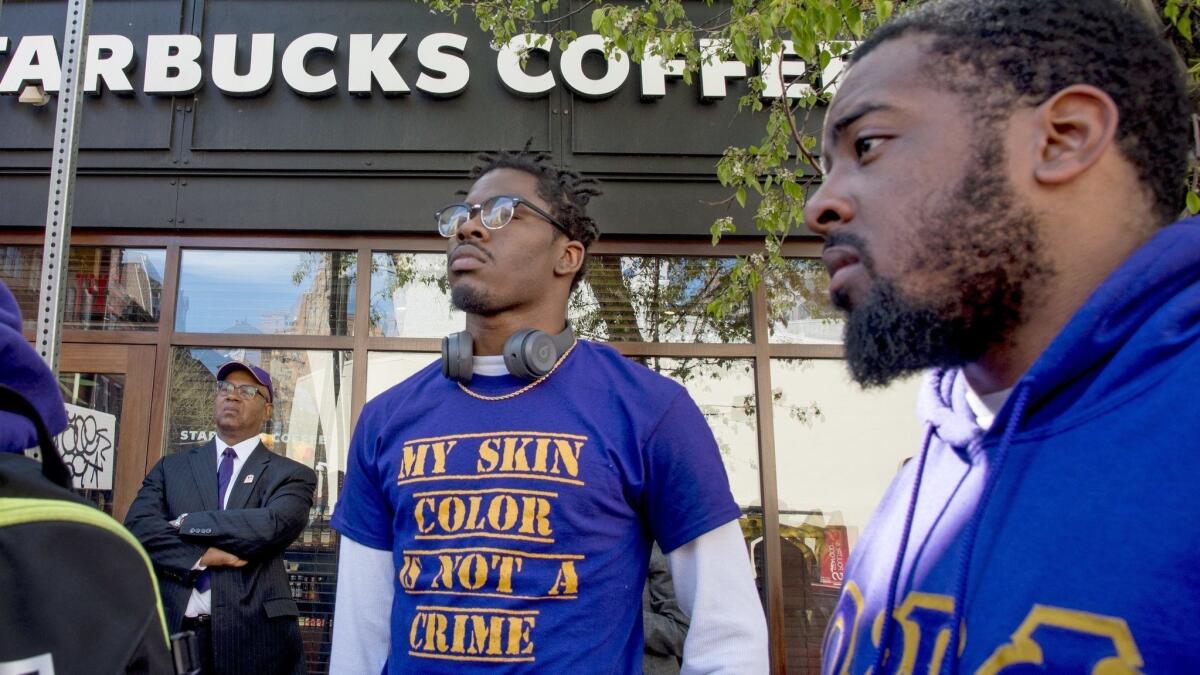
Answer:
(261, 376)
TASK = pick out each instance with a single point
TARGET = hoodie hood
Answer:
(942, 404)
(1121, 342)
(22, 370)
(1116, 345)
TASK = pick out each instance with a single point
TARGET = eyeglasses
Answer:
(246, 392)
(494, 213)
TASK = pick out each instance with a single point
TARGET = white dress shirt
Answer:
(201, 603)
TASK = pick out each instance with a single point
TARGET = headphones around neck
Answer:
(528, 353)
(53, 467)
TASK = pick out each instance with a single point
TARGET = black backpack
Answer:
(77, 591)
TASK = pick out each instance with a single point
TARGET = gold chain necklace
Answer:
(527, 387)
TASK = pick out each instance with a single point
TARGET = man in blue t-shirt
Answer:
(500, 505)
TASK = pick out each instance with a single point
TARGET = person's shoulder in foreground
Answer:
(1058, 309)
(63, 561)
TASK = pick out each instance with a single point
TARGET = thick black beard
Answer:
(889, 336)
(992, 270)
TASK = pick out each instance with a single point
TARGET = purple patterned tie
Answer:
(224, 475)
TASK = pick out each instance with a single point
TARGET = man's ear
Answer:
(570, 260)
(1077, 127)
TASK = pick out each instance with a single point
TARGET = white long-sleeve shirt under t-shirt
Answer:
(714, 585)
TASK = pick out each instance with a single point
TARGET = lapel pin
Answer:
(249, 479)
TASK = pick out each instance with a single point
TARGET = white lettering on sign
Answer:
(294, 65)
(790, 69)
(369, 63)
(656, 70)
(34, 62)
(258, 74)
(441, 53)
(714, 69)
(512, 73)
(109, 58)
(577, 81)
(173, 66)
(34, 665)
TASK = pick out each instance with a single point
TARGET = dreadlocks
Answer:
(566, 191)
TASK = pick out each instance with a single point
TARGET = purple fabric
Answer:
(1033, 518)
(942, 403)
(224, 475)
(24, 371)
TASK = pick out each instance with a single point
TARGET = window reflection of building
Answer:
(318, 422)
(410, 297)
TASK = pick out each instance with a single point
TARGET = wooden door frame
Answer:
(136, 364)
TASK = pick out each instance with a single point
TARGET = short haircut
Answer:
(1002, 53)
(567, 192)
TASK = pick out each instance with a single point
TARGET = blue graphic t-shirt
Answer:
(521, 528)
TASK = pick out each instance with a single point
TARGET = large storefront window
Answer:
(655, 299)
(107, 288)
(20, 270)
(798, 301)
(837, 448)
(410, 296)
(387, 369)
(272, 292)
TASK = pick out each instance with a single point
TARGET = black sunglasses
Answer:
(494, 213)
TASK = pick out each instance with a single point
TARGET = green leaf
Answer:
(741, 197)
(1193, 203)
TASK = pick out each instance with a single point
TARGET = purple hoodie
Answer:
(22, 370)
(1066, 537)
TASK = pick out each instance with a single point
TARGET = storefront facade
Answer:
(269, 198)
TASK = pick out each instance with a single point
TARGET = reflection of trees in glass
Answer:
(806, 414)
(656, 299)
(800, 290)
(392, 272)
(324, 307)
(650, 299)
(190, 398)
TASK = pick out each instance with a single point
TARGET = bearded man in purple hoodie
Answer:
(1000, 181)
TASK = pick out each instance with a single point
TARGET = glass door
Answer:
(107, 389)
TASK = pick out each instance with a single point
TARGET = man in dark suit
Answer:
(216, 520)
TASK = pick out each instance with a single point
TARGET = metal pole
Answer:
(55, 250)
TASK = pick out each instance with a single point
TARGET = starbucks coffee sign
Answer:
(248, 65)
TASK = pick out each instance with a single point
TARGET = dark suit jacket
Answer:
(254, 618)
